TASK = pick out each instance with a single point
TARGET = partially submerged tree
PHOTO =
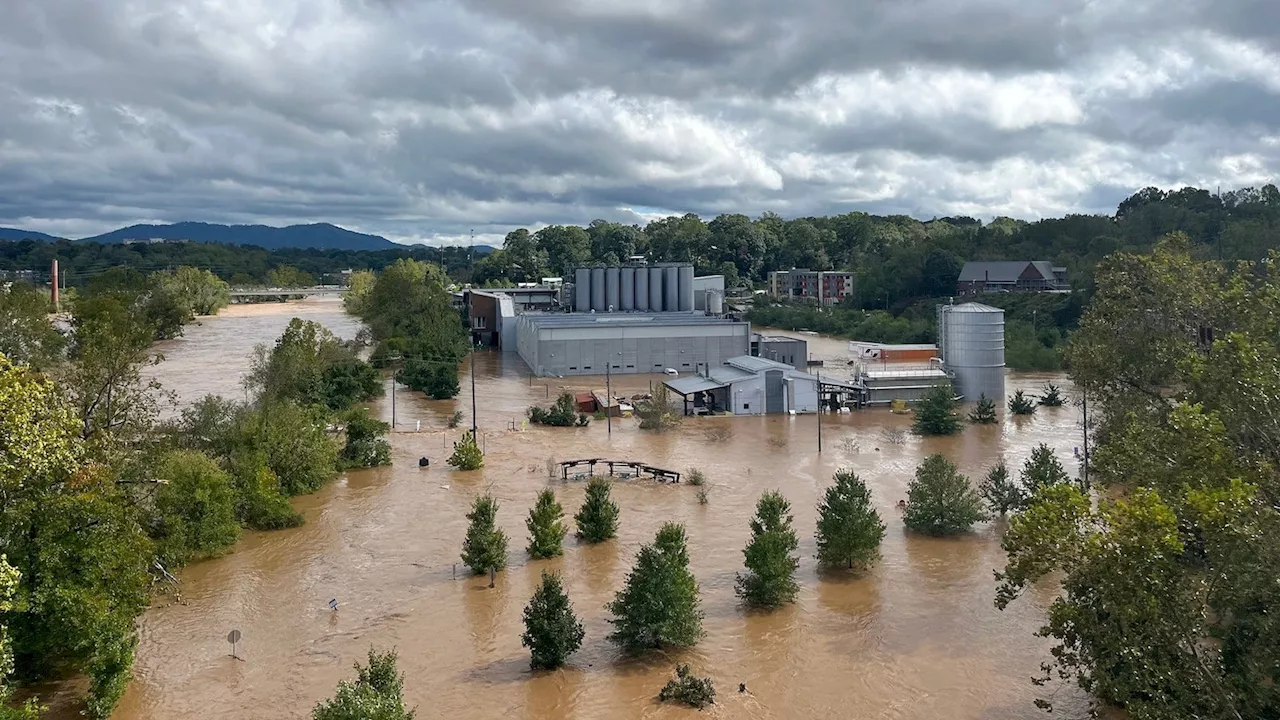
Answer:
(658, 605)
(366, 441)
(546, 526)
(688, 689)
(1020, 404)
(940, 500)
(26, 335)
(849, 528)
(999, 490)
(377, 693)
(466, 453)
(551, 630)
(984, 413)
(935, 413)
(29, 710)
(597, 519)
(657, 413)
(485, 547)
(1052, 396)
(562, 413)
(195, 514)
(771, 568)
(1041, 470)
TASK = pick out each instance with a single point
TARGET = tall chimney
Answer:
(53, 278)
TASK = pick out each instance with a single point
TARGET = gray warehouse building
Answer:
(557, 344)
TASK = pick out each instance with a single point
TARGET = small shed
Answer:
(586, 403)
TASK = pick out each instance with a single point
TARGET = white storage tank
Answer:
(671, 289)
(612, 298)
(627, 289)
(655, 290)
(597, 290)
(686, 288)
(642, 289)
(582, 290)
(715, 303)
(971, 339)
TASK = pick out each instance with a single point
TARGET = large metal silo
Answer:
(671, 289)
(597, 290)
(582, 290)
(686, 288)
(642, 289)
(715, 303)
(655, 290)
(611, 294)
(971, 337)
(627, 289)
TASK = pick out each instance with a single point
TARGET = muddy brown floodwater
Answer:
(914, 637)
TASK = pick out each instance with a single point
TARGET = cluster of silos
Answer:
(660, 288)
(971, 342)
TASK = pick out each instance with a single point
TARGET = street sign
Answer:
(233, 637)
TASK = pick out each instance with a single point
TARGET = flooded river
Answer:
(914, 637)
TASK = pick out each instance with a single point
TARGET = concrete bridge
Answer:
(287, 292)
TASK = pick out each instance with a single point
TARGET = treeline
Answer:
(239, 265)
(101, 499)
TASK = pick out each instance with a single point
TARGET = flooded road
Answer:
(914, 637)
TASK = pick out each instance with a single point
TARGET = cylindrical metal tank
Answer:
(626, 289)
(581, 290)
(612, 299)
(686, 288)
(655, 290)
(715, 303)
(597, 290)
(671, 289)
(642, 289)
(972, 337)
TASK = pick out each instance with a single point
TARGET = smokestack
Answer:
(53, 277)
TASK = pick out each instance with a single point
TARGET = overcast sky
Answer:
(422, 120)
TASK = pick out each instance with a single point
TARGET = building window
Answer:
(631, 367)
(586, 367)
(573, 367)
(746, 406)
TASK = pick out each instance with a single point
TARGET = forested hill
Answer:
(15, 234)
(318, 235)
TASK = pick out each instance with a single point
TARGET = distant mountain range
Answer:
(319, 235)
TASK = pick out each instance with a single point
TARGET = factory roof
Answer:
(756, 364)
(725, 375)
(1003, 271)
(623, 319)
(692, 384)
(973, 307)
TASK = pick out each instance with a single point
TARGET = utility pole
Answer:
(608, 396)
(393, 402)
(819, 412)
(1084, 403)
(474, 435)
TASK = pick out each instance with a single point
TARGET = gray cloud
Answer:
(425, 120)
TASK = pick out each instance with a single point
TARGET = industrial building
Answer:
(780, 348)
(563, 344)
(747, 385)
(883, 384)
(971, 341)
(870, 352)
(647, 289)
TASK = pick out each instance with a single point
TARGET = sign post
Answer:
(233, 637)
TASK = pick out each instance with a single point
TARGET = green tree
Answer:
(359, 285)
(76, 540)
(288, 276)
(656, 413)
(551, 630)
(688, 689)
(771, 568)
(1040, 471)
(367, 445)
(377, 693)
(195, 513)
(27, 337)
(984, 413)
(1020, 404)
(485, 547)
(1052, 396)
(196, 291)
(562, 414)
(940, 500)
(659, 605)
(597, 519)
(294, 445)
(466, 453)
(999, 490)
(935, 413)
(849, 528)
(546, 528)
(30, 710)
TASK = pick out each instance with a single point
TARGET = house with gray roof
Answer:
(1011, 276)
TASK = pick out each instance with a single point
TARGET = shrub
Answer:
(466, 454)
(1020, 404)
(686, 688)
(940, 500)
(984, 413)
(366, 445)
(1052, 396)
(936, 412)
(195, 508)
(561, 414)
(696, 477)
(656, 413)
(377, 693)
